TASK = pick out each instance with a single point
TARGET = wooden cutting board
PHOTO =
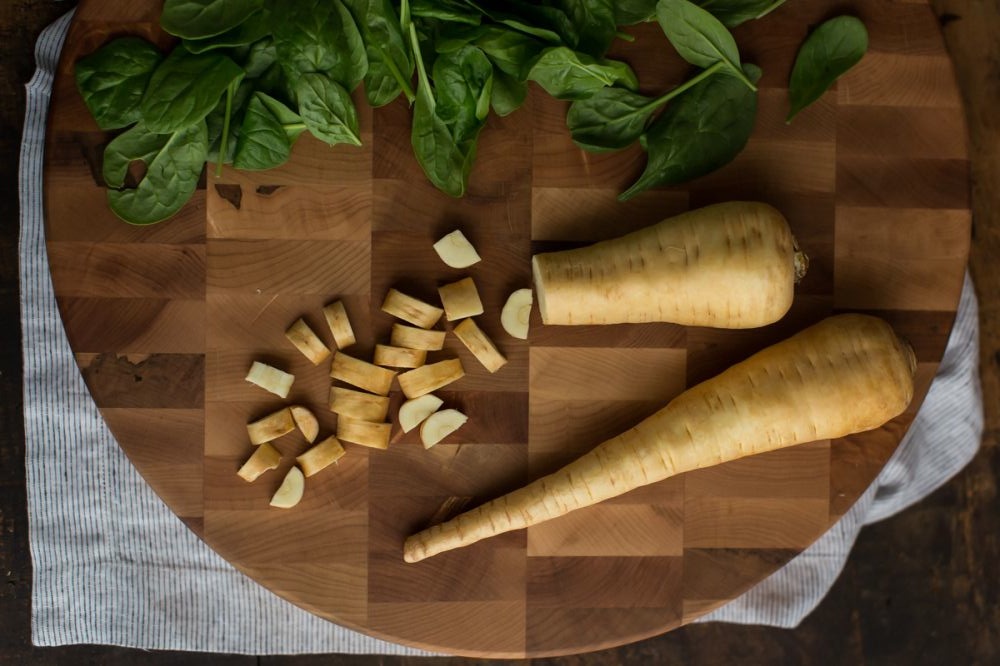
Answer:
(166, 320)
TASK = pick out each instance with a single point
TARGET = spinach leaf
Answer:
(327, 109)
(698, 36)
(453, 11)
(832, 49)
(463, 82)
(630, 12)
(174, 163)
(508, 93)
(216, 120)
(256, 27)
(261, 57)
(566, 74)
(185, 88)
(548, 24)
(390, 67)
(594, 21)
(735, 12)
(320, 36)
(704, 129)
(612, 118)
(198, 19)
(268, 132)
(511, 51)
(113, 79)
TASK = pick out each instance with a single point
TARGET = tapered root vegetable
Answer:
(399, 357)
(290, 491)
(441, 424)
(307, 342)
(362, 374)
(413, 412)
(416, 338)
(271, 427)
(340, 325)
(847, 374)
(306, 422)
(365, 433)
(320, 456)
(516, 314)
(358, 405)
(730, 265)
(477, 342)
(456, 251)
(264, 458)
(431, 377)
(460, 299)
(411, 309)
(270, 379)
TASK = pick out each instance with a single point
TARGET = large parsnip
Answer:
(730, 265)
(847, 374)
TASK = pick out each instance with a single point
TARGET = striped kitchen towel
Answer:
(113, 565)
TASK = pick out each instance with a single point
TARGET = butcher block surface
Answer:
(166, 320)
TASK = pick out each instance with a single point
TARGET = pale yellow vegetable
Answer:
(516, 314)
(411, 309)
(477, 342)
(439, 425)
(340, 325)
(290, 491)
(265, 457)
(270, 379)
(847, 374)
(307, 342)
(362, 374)
(456, 251)
(271, 427)
(365, 433)
(416, 338)
(399, 357)
(358, 405)
(306, 422)
(320, 456)
(730, 265)
(413, 412)
(431, 377)
(460, 299)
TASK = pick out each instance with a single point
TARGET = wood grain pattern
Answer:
(165, 321)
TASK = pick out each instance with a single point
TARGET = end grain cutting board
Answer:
(166, 320)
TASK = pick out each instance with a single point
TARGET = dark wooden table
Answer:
(921, 587)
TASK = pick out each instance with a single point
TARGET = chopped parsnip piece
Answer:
(358, 405)
(428, 378)
(399, 357)
(307, 342)
(306, 421)
(320, 456)
(362, 374)
(460, 299)
(271, 427)
(456, 251)
(264, 458)
(270, 379)
(416, 338)
(365, 433)
(480, 345)
(516, 314)
(340, 325)
(290, 491)
(411, 309)
(413, 412)
(441, 424)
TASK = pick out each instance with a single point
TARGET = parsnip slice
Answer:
(362, 374)
(410, 309)
(340, 325)
(441, 424)
(399, 357)
(358, 405)
(320, 456)
(416, 338)
(365, 433)
(271, 427)
(456, 251)
(413, 412)
(290, 491)
(306, 422)
(460, 299)
(264, 458)
(480, 345)
(428, 378)
(307, 342)
(516, 314)
(270, 379)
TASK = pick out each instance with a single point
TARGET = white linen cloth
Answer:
(113, 565)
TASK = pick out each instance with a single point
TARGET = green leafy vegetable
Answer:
(832, 49)
(698, 36)
(390, 67)
(702, 130)
(320, 36)
(594, 22)
(113, 79)
(269, 131)
(630, 12)
(508, 93)
(198, 19)
(736, 12)
(327, 110)
(185, 88)
(174, 163)
(511, 51)
(256, 27)
(453, 11)
(566, 74)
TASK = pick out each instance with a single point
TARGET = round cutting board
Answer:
(166, 320)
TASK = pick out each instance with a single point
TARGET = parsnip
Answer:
(362, 374)
(290, 491)
(265, 457)
(412, 337)
(516, 314)
(365, 433)
(270, 379)
(399, 357)
(730, 265)
(431, 377)
(477, 342)
(358, 404)
(320, 456)
(460, 299)
(439, 425)
(306, 422)
(847, 374)
(413, 412)
(456, 251)
(411, 309)
(307, 342)
(340, 325)
(271, 427)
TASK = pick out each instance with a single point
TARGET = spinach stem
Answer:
(224, 144)
(398, 75)
(625, 37)
(423, 82)
(690, 83)
(294, 126)
(770, 8)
